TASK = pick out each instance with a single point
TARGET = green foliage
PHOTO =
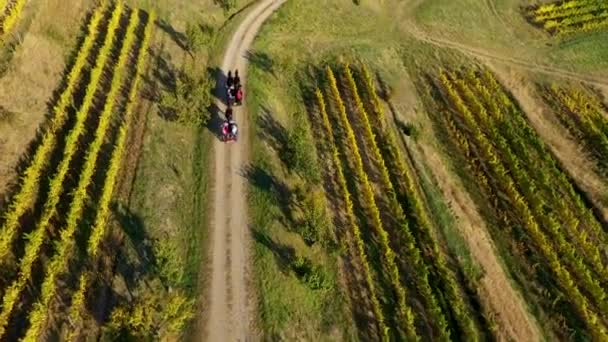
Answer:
(152, 317)
(189, 100)
(411, 130)
(177, 312)
(198, 36)
(227, 5)
(315, 223)
(314, 276)
(300, 153)
(169, 260)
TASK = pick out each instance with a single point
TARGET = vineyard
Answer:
(414, 289)
(564, 17)
(400, 171)
(52, 232)
(10, 12)
(550, 234)
(582, 112)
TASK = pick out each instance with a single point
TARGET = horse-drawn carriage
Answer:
(234, 96)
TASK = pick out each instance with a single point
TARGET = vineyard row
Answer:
(501, 138)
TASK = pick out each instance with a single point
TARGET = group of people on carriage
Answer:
(234, 89)
(234, 96)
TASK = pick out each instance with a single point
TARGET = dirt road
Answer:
(419, 33)
(485, 55)
(228, 314)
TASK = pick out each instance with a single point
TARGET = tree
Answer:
(198, 36)
(300, 155)
(190, 100)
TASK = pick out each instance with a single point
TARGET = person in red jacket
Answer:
(239, 95)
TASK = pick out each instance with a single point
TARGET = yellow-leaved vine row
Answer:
(401, 171)
(548, 173)
(558, 177)
(99, 229)
(12, 13)
(37, 237)
(58, 264)
(27, 193)
(422, 274)
(78, 303)
(389, 256)
(552, 180)
(568, 252)
(2, 7)
(384, 330)
(583, 117)
(572, 16)
(542, 171)
(525, 213)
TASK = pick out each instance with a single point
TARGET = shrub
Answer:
(198, 36)
(411, 130)
(190, 99)
(314, 276)
(152, 317)
(316, 221)
(300, 153)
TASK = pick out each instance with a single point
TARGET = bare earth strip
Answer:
(229, 311)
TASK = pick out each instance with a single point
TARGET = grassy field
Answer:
(500, 27)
